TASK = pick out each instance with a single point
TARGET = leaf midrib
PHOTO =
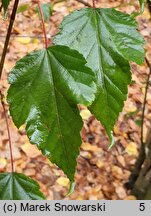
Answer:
(56, 104)
(103, 87)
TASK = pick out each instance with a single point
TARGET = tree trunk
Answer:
(142, 186)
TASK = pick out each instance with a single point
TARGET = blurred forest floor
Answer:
(100, 174)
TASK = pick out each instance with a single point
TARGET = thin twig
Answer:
(145, 97)
(141, 158)
(93, 2)
(137, 167)
(84, 3)
(1, 7)
(43, 24)
(13, 15)
(8, 131)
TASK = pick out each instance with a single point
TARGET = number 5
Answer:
(142, 206)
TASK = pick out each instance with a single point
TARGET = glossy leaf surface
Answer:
(16, 186)
(46, 86)
(108, 39)
(141, 2)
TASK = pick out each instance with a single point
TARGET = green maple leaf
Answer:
(16, 186)
(46, 86)
(108, 39)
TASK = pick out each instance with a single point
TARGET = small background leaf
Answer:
(46, 9)
(63, 181)
(138, 122)
(22, 8)
(141, 2)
